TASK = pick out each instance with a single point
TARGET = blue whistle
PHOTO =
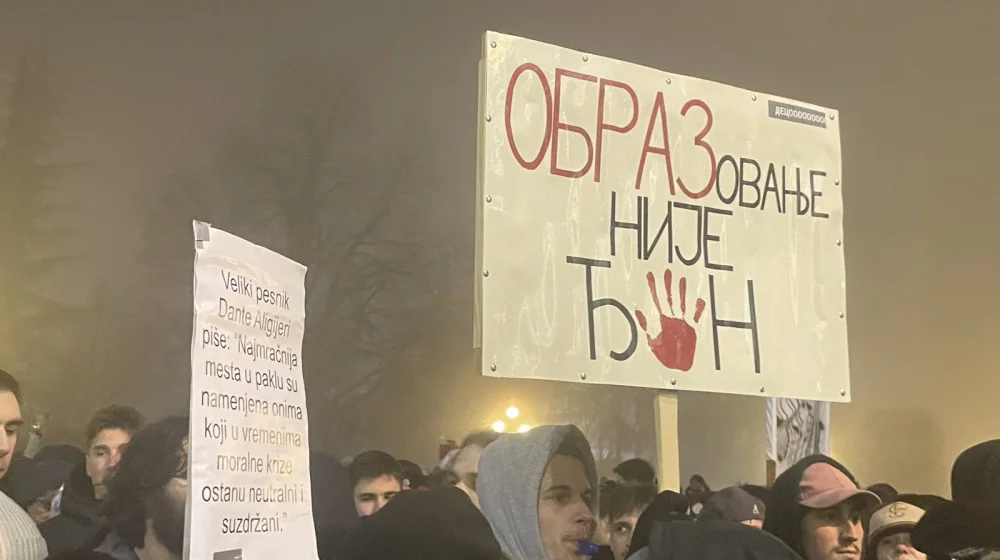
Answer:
(586, 548)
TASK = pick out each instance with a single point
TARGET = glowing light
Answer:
(513, 412)
(524, 428)
(499, 426)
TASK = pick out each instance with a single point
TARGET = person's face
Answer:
(466, 468)
(621, 534)
(103, 455)
(564, 514)
(371, 494)
(10, 422)
(754, 523)
(897, 547)
(834, 533)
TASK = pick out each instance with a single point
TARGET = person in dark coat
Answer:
(332, 501)
(80, 519)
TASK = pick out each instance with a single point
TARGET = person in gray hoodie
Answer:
(538, 490)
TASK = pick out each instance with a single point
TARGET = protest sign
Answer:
(796, 429)
(649, 229)
(249, 492)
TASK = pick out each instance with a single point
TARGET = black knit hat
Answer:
(440, 524)
(972, 520)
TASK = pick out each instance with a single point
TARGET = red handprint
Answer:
(675, 344)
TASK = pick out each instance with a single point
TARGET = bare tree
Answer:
(146, 312)
(37, 331)
(314, 178)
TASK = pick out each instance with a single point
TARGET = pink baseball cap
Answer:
(824, 486)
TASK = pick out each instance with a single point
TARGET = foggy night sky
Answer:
(152, 86)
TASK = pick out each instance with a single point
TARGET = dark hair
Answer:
(155, 455)
(117, 417)
(441, 478)
(630, 498)
(479, 439)
(373, 464)
(9, 384)
(759, 492)
(885, 492)
(636, 471)
(413, 473)
(608, 488)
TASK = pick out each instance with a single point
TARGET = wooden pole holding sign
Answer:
(668, 464)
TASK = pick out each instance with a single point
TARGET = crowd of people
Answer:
(527, 496)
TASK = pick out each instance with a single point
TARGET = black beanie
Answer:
(440, 524)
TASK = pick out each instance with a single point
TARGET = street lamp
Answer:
(499, 426)
(513, 412)
(523, 428)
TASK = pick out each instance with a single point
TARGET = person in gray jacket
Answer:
(538, 490)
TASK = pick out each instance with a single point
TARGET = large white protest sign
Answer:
(642, 228)
(249, 493)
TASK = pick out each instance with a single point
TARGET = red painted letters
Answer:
(554, 124)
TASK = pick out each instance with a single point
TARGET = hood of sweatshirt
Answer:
(510, 474)
(784, 513)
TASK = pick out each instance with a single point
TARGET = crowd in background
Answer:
(527, 496)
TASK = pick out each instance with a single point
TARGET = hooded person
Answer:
(538, 492)
(816, 508)
(968, 526)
